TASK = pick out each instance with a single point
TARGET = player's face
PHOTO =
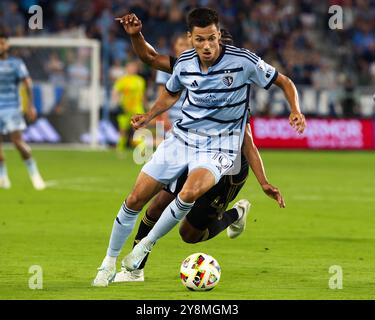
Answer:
(4, 45)
(181, 44)
(206, 42)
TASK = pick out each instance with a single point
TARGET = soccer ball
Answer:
(200, 272)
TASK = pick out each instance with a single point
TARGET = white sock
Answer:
(31, 166)
(3, 169)
(171, 216)
(122, 227)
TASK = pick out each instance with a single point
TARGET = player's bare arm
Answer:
(296, 118)
(165, 101)
(30, 111)
(133, 26)
(256, 164)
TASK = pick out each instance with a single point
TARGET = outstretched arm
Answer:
(254, 159)
(163, 103)
(296, 118)
(143, 49)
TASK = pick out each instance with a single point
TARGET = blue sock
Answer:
(122, 227)
(171, 216)
(31, 166)
(3, 169)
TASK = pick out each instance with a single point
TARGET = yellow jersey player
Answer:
(129, 92)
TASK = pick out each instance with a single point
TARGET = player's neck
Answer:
(3, 55)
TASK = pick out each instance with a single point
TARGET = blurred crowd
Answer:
(292, 35)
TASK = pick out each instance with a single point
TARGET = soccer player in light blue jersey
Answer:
(206, 141)
(12, 72)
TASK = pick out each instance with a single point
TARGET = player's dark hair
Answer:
(226, 37)
(202, 17)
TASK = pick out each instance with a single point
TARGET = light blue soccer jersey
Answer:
(12, 71)
(215, 107)
(174, 112)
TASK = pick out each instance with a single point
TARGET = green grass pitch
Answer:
(283, 253)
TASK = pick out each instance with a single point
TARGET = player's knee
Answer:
(16, 140)
(134, 201)
(189, 195)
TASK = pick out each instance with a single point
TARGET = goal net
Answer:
(67, 91)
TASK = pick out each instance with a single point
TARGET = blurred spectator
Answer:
(12, 20)
(292, 35)
(55, 70)
(324, 77)
(349, 99)
(116, 71)
(78, 77)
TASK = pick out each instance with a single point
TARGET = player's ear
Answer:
(219, 35)
(189, 35)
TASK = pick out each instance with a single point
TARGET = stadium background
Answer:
(330, 195)
(333, 69)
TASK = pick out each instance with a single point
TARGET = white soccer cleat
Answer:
(38, 182)
(132, 261)
(129, 276)
(236, 228)
(104, 276)
(4, 182)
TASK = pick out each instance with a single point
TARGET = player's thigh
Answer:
(159, 203)
(167, 164)
(198, 182)
(144, 189)
(217, 164)
(16, 137)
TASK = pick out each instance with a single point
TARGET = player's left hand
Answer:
(274, 193)
(131, 24)
(31, 113)
(297, 121)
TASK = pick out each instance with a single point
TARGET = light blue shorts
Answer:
(172, 157)
(11, 120)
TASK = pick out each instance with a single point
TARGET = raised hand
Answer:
(131, 23)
